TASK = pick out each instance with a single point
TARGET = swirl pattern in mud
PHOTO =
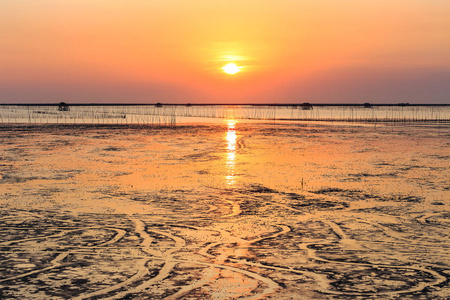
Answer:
(220, 213)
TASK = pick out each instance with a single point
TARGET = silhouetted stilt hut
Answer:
(63, 107)
(307, 106)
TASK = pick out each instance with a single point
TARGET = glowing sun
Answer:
(231, 69)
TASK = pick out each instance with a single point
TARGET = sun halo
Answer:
(231, 68)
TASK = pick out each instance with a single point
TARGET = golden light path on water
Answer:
(231, 153)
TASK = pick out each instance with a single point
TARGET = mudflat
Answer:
(224, 211)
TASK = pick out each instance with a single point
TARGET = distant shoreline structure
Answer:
(170, 114)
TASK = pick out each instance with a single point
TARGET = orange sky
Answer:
(172, 51)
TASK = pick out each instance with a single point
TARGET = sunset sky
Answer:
(174, 51)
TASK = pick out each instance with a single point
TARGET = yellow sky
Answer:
(174, 51)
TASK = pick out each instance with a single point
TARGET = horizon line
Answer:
(367, 104)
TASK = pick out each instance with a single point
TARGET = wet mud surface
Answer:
(232, 211)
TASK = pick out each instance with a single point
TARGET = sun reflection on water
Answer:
(231, 153)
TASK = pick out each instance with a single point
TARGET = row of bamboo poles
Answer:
(168, 114)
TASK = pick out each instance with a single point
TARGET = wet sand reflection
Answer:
(231, 153)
